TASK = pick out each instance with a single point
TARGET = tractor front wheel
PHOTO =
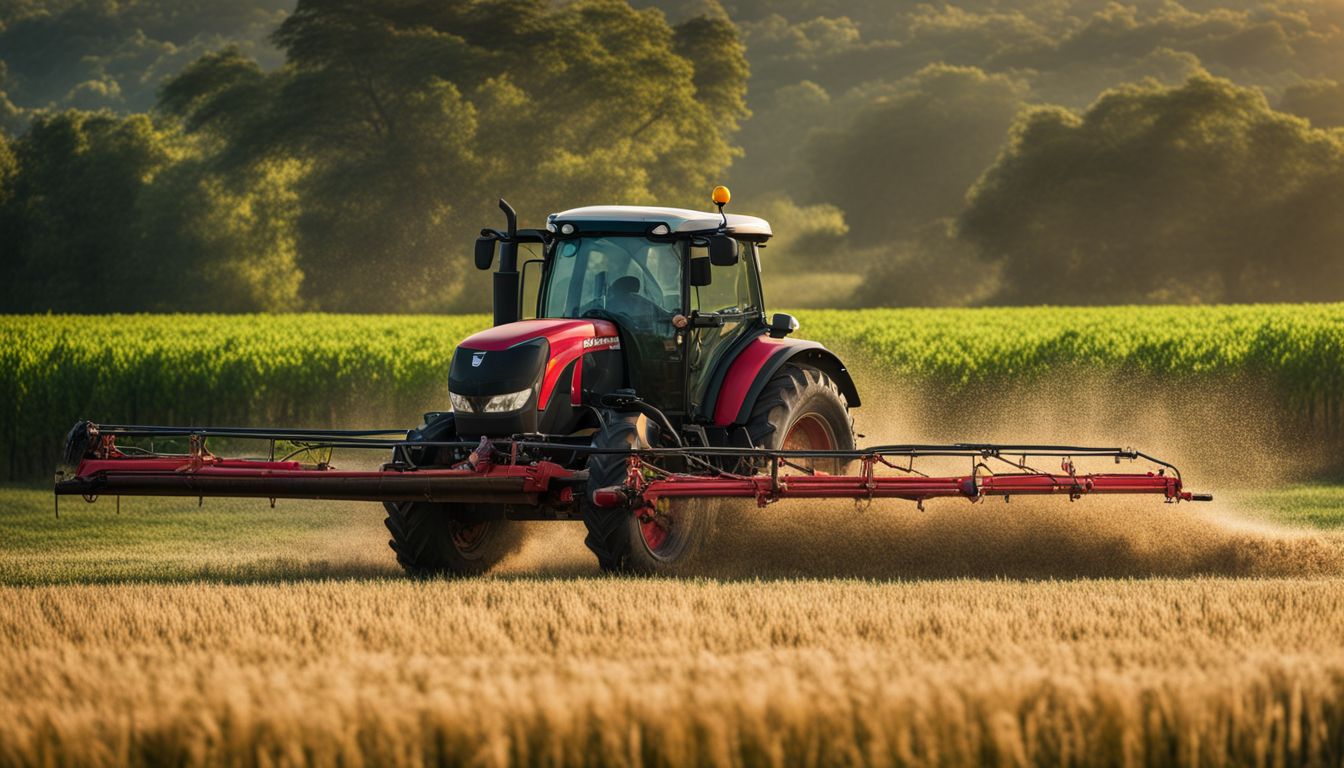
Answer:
(449, 539)
(647, 541)
(436, 539)
(802, 409)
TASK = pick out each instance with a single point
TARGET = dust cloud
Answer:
(1225, 440)
(1041, 538)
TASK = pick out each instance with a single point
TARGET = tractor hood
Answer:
(537, 357)
(558, 332)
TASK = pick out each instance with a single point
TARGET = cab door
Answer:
(637, 284)
(732, 302)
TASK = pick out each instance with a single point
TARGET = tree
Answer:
(101, 214)
(11, 117)
(908, 158)
(208, 242)
(409, 117)
(9, 168)
(1194, 193)
(1320, 101)
(73, 212)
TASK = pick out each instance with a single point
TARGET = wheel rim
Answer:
(655, 532)
(664, 531)
(469, 537)
(809, 433)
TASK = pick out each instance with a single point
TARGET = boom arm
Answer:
(525, 471)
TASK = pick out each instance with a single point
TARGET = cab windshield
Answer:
(630, 278)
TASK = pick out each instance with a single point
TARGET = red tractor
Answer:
(645, 383)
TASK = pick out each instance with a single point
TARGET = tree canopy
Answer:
(341, 155)
(919, 147)
(350, 178)
(409, 117)
(1198, 192)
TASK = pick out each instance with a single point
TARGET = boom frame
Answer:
(522, 471)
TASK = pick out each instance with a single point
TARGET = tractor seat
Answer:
(627, 285)
(624, 298)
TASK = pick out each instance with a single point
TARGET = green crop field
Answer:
(334, 370)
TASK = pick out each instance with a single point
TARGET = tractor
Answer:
(641, 381)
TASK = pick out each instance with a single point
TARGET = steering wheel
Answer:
(646, 321)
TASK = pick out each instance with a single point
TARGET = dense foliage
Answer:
(332, 155)
(342, 370)
(1164, 193)
(352, 177)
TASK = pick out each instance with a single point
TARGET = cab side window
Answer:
(731, 290)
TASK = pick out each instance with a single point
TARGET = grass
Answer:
(243, 635)
(1303, 505)
(151, 539)
(162, 540)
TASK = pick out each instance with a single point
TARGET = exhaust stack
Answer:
(506, 277)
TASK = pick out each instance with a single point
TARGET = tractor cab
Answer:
(662, 301)
(650, 271)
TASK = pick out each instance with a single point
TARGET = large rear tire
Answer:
(660, 541)
(434, 539)
(801, 408)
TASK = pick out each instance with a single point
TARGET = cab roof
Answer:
(678, 220)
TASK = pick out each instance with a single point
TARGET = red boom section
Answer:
(492, 476)
(766, 489)
(192, 476)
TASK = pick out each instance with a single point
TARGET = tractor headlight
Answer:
(513, 401)
(506, 403)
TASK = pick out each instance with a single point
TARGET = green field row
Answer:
(330, 370)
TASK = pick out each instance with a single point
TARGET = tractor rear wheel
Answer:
(654, 541)
(801, 408)
(435, 539)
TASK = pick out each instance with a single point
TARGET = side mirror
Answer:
(485, 252)
(529, 290)
(699, 272)
(782, 325)
(722, 251)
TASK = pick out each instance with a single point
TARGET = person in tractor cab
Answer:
(636, 281)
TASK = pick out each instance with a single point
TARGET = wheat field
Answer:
(603, 672)
(965, 635)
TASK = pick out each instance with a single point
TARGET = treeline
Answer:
(351, 177)
(249, 155)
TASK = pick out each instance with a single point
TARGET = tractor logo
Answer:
(477, 358)
(613, 342)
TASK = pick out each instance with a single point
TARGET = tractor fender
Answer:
(758, 361)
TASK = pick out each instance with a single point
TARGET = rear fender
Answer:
(760, 360)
